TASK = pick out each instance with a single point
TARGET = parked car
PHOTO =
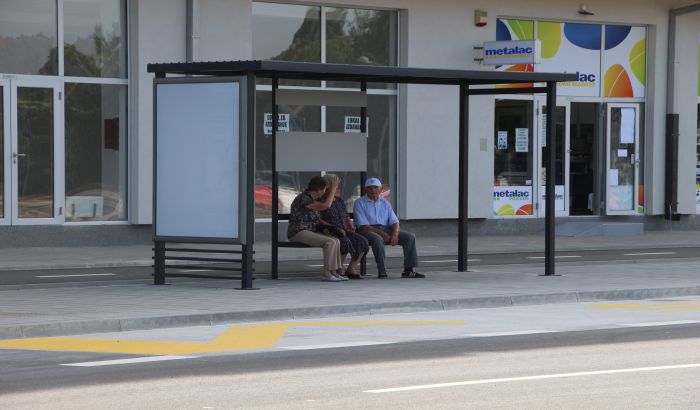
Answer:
(286, 191)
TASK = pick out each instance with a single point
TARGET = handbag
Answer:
(330, 230)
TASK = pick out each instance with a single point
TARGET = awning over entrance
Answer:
(520, 83)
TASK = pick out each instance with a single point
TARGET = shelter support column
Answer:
(274, 263)
(463, 213)
(363, 174)
(549, 248)
(248, 263)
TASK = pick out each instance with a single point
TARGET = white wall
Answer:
(157, 36)
(226, 30)
(685, 105)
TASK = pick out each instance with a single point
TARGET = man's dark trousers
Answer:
(407, 241)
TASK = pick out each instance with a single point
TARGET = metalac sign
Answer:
(512, 52)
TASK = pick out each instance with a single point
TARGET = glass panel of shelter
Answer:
(381, 126)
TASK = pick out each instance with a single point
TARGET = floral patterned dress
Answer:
(353, 243)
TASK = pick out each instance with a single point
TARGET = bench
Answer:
(276, 243)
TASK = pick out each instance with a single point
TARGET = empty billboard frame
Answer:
(200, 166)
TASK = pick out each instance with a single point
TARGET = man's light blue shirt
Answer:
(368, 212)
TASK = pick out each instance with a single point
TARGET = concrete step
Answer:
(599, 228)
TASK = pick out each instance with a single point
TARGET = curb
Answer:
(209, 319)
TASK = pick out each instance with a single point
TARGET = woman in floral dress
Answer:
(350, 241)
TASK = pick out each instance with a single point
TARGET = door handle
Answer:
(16, 155)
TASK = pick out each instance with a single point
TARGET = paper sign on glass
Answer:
(627, 125)
(503, 140)
(521, 139)
(613, 177)
(622, 153)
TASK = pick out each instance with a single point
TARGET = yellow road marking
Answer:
(244, 337)
(679, 306)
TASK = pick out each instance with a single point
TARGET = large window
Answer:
(95, 147)
(28, 37)
(94, 38)
(352, 36)
(90, 65)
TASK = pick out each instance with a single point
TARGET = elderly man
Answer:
(377, 222)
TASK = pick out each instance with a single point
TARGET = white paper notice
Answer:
(613, 177)
(627, 125)
(352, 123)
(522, 139)
(282, 123)
(622, 153)
(502, 139)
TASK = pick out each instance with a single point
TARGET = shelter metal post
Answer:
(463, 214)
(550, 201)
(158, 263)
(248, 267)
(363, 174)
(273, 206)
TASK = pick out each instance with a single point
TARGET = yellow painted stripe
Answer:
(683, 305)
(246, 337)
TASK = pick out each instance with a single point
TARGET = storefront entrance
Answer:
(597, 166)
(584, 186)
(32, 149)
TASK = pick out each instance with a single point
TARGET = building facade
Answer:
(76, 114)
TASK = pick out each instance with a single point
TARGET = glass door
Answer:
(35, 150)
(622, 162)
(561, 166)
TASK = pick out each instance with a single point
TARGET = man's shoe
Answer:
(412, 274)
(382, 276)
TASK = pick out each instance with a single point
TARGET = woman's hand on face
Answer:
(335, 181)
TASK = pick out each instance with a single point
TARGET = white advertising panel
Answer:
(512, 200)
(198, 132)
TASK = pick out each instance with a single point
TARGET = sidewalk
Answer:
(140, 255)
(115, 306)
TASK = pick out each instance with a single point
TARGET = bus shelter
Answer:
(183, 172)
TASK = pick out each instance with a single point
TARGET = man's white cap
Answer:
(373, 182)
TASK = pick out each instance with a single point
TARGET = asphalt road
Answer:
(311, 267)
(629, 368)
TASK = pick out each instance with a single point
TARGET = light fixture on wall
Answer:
(583, 10)
(480, 18)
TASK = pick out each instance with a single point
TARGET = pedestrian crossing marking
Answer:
(242, 337)
(675, 306)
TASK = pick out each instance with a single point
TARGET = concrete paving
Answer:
(122, 306)
(140, 255)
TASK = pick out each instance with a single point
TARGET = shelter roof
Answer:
(349, 72)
